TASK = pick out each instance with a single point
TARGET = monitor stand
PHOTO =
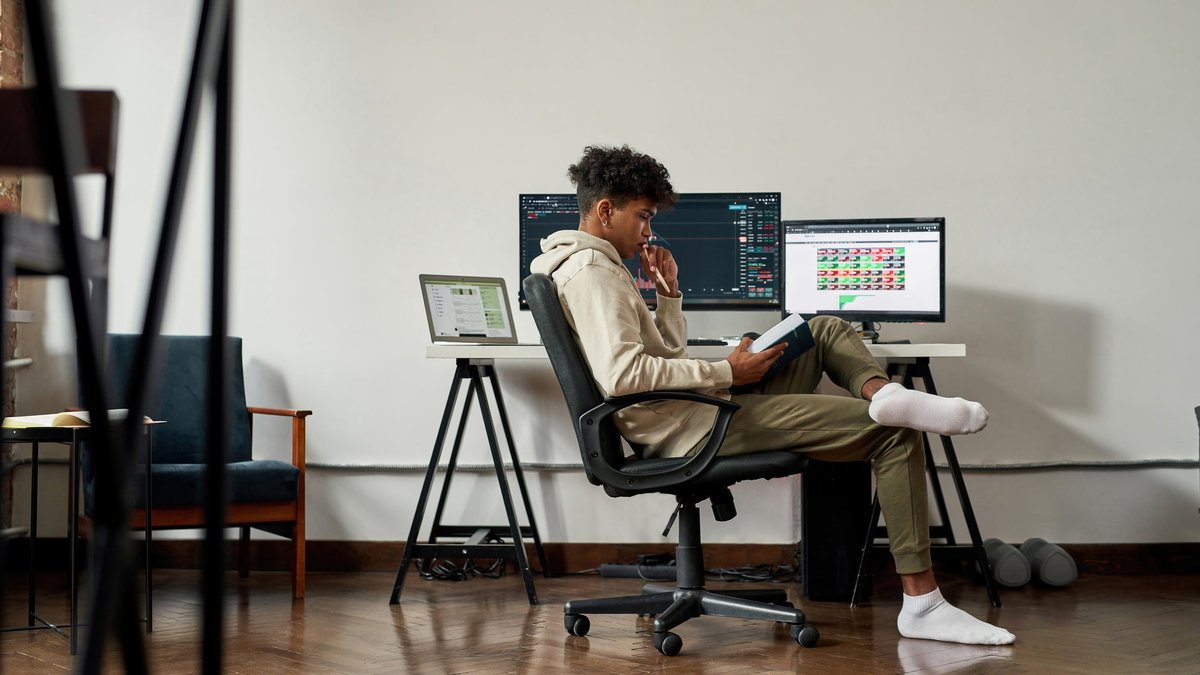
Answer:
(870, 330)
(873, 328)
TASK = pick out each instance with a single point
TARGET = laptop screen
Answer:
(467, 309)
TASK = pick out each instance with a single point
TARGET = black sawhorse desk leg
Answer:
(473, 370)
(907, 373)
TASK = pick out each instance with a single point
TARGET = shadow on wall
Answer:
(542, 432)
(1026, 359)
(266, 387)
(1043, 348)
(1033, 363)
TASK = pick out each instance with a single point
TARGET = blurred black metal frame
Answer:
(113, 593)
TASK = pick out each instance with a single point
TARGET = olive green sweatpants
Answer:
(784, 413)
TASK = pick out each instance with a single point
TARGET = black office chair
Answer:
(692, 480)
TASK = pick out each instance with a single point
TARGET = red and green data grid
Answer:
(860, 269)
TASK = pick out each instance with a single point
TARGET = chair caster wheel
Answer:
(805, 635)
(668, 643)
(576, 624)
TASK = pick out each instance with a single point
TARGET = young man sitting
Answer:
(630, 350)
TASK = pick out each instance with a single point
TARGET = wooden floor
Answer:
(1099, 624)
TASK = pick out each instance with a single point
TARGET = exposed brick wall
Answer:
(12, 43)
(12, 68)
(12, 74)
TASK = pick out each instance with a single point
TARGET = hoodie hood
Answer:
(565, 243)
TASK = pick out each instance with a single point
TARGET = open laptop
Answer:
(468, 309)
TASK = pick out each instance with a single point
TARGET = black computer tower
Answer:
(836, 505)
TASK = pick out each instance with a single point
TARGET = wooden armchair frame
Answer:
(245, 515)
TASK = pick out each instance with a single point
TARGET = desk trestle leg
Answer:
(477, 536)
(907, 373)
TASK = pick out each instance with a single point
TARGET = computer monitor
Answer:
(870, 270)
(726, 245)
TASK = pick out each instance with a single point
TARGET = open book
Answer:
(794, 331)
(79, 418)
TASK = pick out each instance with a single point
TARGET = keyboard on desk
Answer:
(696, 342)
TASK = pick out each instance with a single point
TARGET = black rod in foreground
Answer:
(218, 368)
(209, 42)
(60, 140)
(209, 36)
(210, 39)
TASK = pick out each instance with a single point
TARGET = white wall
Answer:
(378, 140)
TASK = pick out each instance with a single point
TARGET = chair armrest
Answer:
(589, 431)
(298, 431)
(254, 410)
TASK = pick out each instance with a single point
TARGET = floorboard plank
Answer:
(345, 625)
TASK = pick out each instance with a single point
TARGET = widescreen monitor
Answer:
(870, 270)
(726, 245)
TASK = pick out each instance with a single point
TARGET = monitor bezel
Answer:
(873, 316)
(696, 304)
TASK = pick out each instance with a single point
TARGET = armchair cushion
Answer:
(256, 481)
(263, 480)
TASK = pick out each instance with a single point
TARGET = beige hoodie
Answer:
(628, 349)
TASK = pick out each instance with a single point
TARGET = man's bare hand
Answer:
(749, 368)
(659, 265)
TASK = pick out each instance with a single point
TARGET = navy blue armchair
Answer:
(264, 494)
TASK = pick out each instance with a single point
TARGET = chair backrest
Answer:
(574, 376)
(181, 396)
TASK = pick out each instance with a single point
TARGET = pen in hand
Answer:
(661, 280)
(655, 240)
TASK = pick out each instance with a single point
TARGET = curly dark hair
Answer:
(620, 174)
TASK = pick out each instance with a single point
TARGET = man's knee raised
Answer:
(901, 442)
(826, 325)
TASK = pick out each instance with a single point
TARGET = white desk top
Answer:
(536, 351)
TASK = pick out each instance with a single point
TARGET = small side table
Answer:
(71, 437)
(35, 436)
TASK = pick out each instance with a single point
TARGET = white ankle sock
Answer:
(895, 406)
(930, 617)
